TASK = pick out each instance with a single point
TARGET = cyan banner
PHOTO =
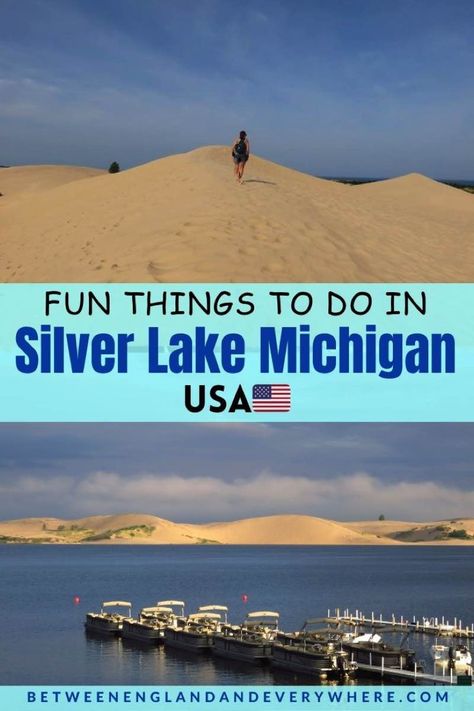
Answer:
(237, 698)
(236, 352)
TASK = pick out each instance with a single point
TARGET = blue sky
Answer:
(198, 472)
(334, 87)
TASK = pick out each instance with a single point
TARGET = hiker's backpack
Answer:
(240, 148)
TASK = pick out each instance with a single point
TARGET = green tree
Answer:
(114, 167)
(381, 517)
(460, 533)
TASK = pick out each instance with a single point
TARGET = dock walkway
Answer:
(415, 677)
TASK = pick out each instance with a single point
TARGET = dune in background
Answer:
(27, 180)
(184, 218)
(269, 530)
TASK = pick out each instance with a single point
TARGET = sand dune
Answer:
(383, 528)
(133, 528)
(288, 530)
(183, 218)
(29, 527)
(440, 532)
(27, 180)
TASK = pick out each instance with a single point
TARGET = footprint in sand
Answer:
(154, 270)
(248, 251)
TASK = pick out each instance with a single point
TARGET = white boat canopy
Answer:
(215, 608)
(205, 616)
(117, 603)
(263, 613)
(170, 603)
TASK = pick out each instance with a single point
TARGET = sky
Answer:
(331, 87)
(208, 472)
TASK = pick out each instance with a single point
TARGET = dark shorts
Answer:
(240, 158)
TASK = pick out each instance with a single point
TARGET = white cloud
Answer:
(27, 486)
(201, 498)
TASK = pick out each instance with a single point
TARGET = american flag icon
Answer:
(271, 398)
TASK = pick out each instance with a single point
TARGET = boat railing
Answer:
(156, 615)
(207, 621)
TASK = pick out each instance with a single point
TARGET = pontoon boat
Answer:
(249, 642)
(197, 632)
(312, 651)
(105, 622)
(151, 624)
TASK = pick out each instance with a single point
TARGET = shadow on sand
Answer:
(254, 180)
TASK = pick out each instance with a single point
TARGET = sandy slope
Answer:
(416, 532)
(26, 527)
(27, 180)
(382, 528)
(183, 218)
(283, 529)
(288, 530)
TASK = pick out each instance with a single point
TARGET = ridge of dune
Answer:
(408, 182)
(26, 527)
(283, 529)
(287, 530)
(385, 527)
(417, 192)
(183, 218)
(107, 528)
(121, 520)
(136, 528)
(18, 182)
(450, 531)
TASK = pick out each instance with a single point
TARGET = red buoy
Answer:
(76, 599)
(244, 598)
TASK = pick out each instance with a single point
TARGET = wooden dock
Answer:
(436, 626)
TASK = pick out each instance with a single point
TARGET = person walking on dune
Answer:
(240, 155)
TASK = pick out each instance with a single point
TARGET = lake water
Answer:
(43, 641)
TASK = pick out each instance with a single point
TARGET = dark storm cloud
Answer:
(391, 451)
